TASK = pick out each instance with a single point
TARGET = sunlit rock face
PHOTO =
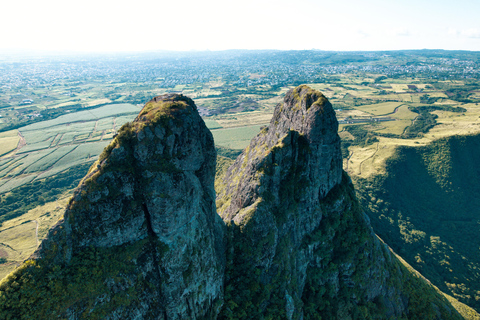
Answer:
(298, 243)
(154, 183)
(146, 237)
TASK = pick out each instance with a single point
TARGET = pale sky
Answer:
(140, 25)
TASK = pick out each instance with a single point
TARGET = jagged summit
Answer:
(141, 213)
(167, 139)
(141, 238)
(308, 112)
(299, 244)
(301, 146)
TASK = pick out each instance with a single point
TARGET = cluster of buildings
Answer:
(278, 68)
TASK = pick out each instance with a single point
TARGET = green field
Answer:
(235, 138)
(212, 124)
(83, 153)
(8, 141)
(55, 145)
(50, 159)
(18, 166)
(15, 182)
(88, 115)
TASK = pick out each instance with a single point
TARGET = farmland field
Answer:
(403, 113)
(55, 145)
(393, 127)
(212, 124)
(243, 119)
(83, 153)
(235, 138)
(50, 159)
(380, 108)
(24, 162)
(87, 115)
(15, 182)
(8, 141)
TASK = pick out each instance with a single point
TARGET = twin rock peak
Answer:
(146, 235)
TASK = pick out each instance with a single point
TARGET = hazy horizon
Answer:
(214, 25)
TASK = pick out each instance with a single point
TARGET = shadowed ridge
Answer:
(299, 245)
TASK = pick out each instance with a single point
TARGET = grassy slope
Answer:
(19, 237)
(29, 211)
(426, 207)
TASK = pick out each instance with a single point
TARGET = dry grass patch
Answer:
(19, 237)
(367, 161)
(394, 127)
(446, 101)
(399, 87)
(452, 123)
(272, 102)
(8, 141)
(352, 113)
(379, 108)
(404, 113)
(345, 135)
(98, 101)
(438, 94)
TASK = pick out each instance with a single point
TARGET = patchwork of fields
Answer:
(46, 148)
(44, 151)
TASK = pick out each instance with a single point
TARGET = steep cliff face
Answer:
(299, 245)
(301, 143)
(141, 238)
(145, 214)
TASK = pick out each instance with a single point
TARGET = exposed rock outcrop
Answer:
(299, 245)
(150, 195)
(141, 238)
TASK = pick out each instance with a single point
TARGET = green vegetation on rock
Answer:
(298, 249)
(91, 273)
(141, 239)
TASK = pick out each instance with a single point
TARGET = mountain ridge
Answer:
(436, 235)
(141, 237)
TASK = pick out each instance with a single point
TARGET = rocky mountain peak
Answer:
(298, 243)
(307, 112)
(151, 164)
(300, 145)
(142, 210)
(141, 237)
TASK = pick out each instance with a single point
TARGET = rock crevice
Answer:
(141, 237)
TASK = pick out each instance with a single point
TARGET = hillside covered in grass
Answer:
(426, 207)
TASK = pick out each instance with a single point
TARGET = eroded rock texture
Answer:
(141, 238)
(151, 192)
(299, 245)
